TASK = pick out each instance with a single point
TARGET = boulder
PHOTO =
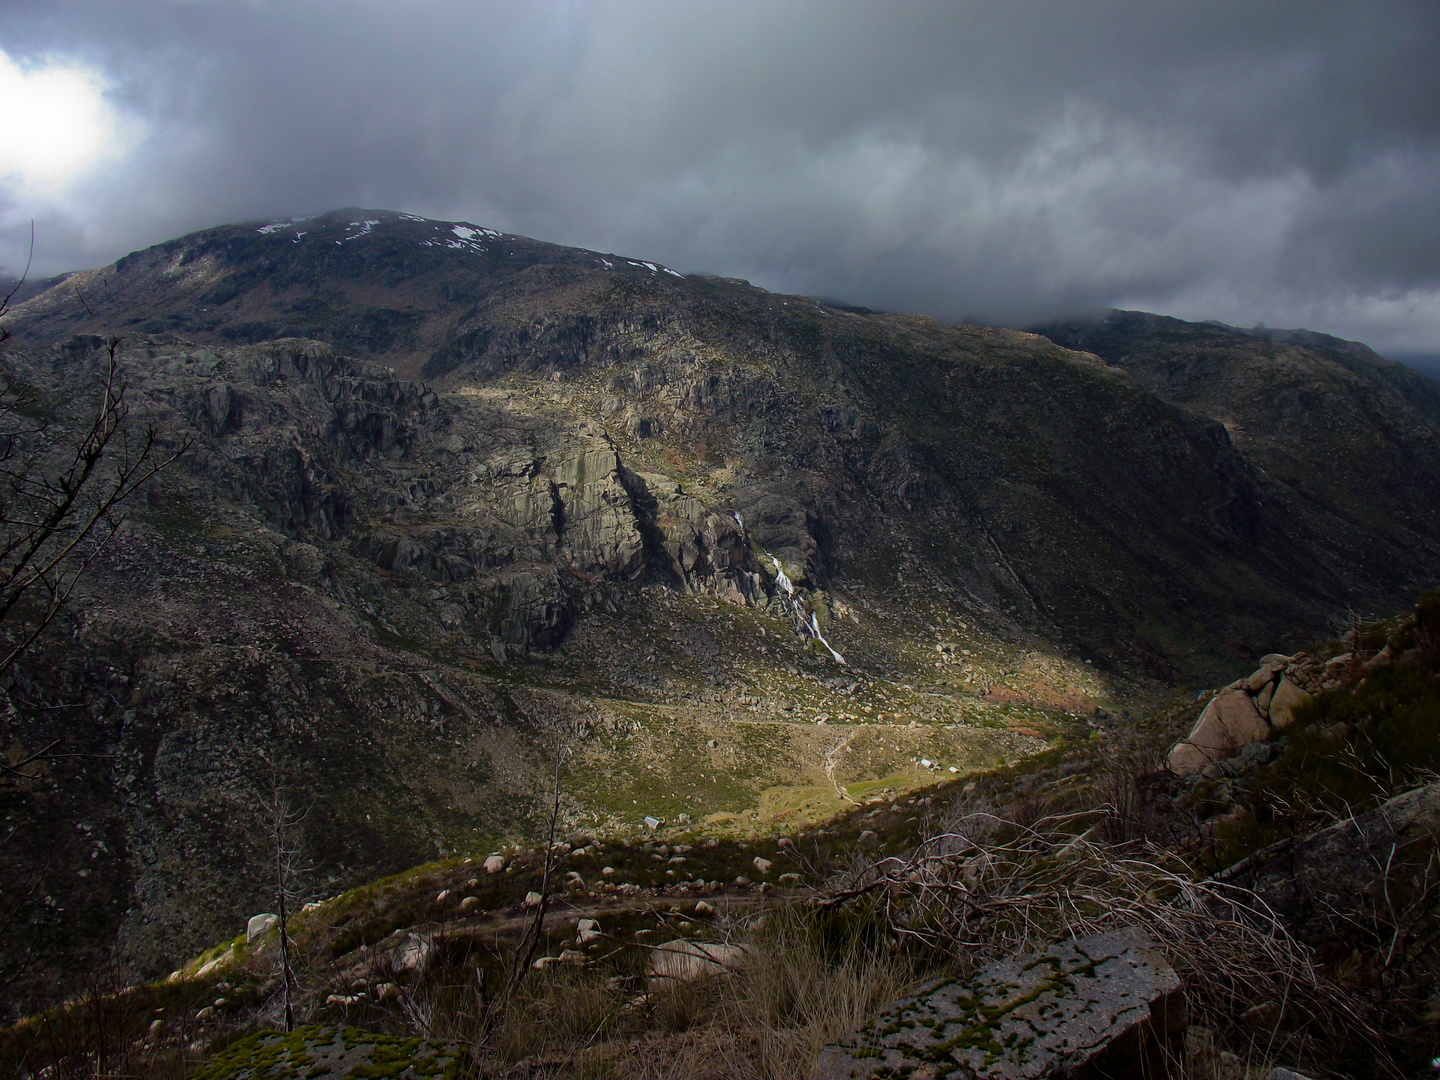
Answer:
(762, 865)
(1287, 698)
(259, 926)
(494, 864)
(1107, 1005)
(1337, 883)
(682, 961)
(1263, 699)
(1229, 724)
(1263, 675)
(413, 954)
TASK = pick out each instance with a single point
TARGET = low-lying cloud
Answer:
(1010, 162)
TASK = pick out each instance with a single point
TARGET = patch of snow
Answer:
(673, 273)
(363, 226)
(410, 217)
(274, 227)
(298, 235)
(608, 264)
(649, 266)
(469, 232)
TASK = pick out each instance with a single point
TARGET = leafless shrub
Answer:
(993, 887)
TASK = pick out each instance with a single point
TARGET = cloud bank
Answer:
(1006, 162)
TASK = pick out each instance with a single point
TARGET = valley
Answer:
(454, 504)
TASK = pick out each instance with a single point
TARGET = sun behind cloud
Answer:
(57, 128)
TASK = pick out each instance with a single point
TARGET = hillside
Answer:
(454, 499)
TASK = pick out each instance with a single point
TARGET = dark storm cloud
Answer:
(1247, 162)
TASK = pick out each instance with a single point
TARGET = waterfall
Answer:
(780, 578)
(815, 633)
(791, 604)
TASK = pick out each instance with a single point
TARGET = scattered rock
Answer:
(259, 926)
(762, 865)
(532, 899)
(702, 908)
(444, 895)
(1107, 1005)
(494, 864)
(869, 836)
(573, 957)
(470, 903)
(652, 823)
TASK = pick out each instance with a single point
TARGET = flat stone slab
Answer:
(1104, 1006)
(331, 1053)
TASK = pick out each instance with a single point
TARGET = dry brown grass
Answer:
(987, 886)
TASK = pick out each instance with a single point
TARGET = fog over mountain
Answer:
(1012, 163)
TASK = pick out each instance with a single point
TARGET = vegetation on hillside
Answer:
(854, 913)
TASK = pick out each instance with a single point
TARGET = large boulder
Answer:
(1229, 723)
(1287, 698)
(1107, 1005)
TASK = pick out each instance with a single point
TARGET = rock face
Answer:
(1101, 1006)
(1331, 884)
(1246, 712)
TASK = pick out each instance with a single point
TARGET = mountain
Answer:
(452, 500)
(1348, 434)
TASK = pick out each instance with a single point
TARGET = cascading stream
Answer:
(815, 633)
(789, 601)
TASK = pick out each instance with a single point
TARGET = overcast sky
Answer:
(1005, 160)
